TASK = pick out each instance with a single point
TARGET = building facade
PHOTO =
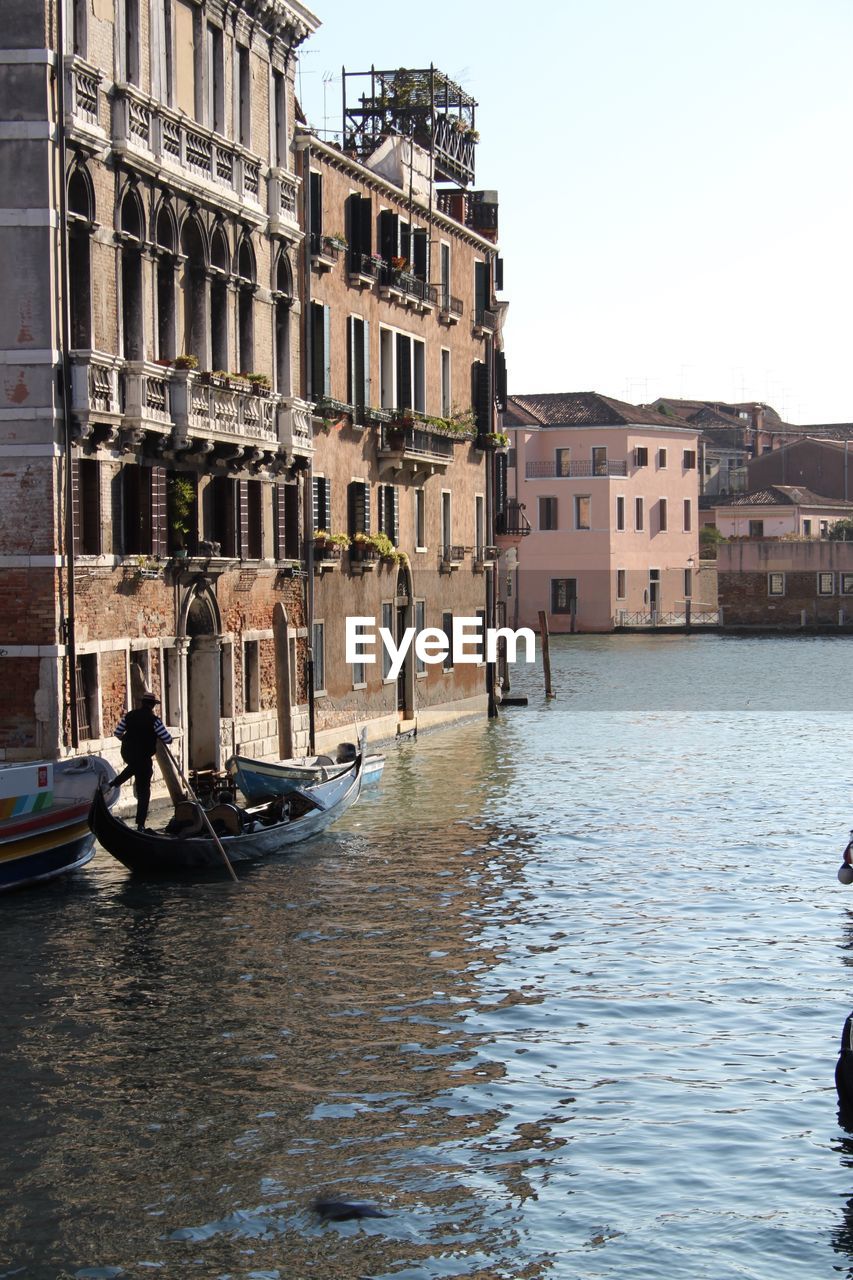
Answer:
(402, 341)
(610, 492)
(187, 379)
(780, 585)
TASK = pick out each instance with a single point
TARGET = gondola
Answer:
(259, 779)
(246, 834)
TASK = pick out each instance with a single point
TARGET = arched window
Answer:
(245, 306)
(81, 211)
(283, 305)
(166, 237)
(193, 290)
(219, 259)
(132, 227)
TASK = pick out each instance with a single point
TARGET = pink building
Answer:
(611, 494)
(779, 511)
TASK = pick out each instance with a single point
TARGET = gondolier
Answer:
(139, 731)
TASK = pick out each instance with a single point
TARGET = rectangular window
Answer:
(756, 528)
(661, 459)
(807, 528)
(444, 259)
(445, 383)
(226, 683)
(318, 646)
(252, 675)
(386, 368)
(447, 628)
(824, 528)
(420, 624)
(599, 461)
(511, 458)
(688, 516)
(847, 584)
(358, 507)
(131, 41)
(215, 113)
(252, 534)
(638, 514)
(547, 513)
(359, 675)
(223, 514)
(620, 584)
(582, 511)
(620, 512)
(279, 148)
(688, 583)
(563, 460)
(243, 98)
(775, 584)
(358, 366)
(388, 496)
(662, 517)
(826, 584)
(420, 520)
(136, 510)
(479, 525)
(315, 200)
(689, 460)
(564, 594)
(388, 624)
(322, 504)
(88, 700)
(321, 363)
(286, 521)
(185, 57)
(86, 500)
(641, 456)
(446, 522)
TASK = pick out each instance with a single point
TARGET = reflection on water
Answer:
(563, 997)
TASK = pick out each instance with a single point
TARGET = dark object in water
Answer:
(345, 1210)
(844, 1067)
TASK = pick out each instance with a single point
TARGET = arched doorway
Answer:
(404, 612)
(202, 626)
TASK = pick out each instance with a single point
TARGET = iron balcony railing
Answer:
(410, 285)
(569, 470)
(452, 554)
(512, 522)
(698, 616)
(413, 440)
(364, 264)
(486, 320)
(450, 306)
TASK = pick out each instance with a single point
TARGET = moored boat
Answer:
(44, 830)
(185, 845)
(259, 779)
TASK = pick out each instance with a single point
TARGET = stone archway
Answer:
(201, 624)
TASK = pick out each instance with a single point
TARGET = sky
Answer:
(675, 181)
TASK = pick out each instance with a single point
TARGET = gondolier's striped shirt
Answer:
(159, 728)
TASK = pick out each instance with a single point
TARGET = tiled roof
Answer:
(583, 409)
(782, 495)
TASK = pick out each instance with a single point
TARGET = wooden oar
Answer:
(204, 817)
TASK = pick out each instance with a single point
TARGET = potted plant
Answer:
(336, 243)
(182, 499)
(384, 547)
(329, 545)
(259, 383)
(185, 362)
(363, 547)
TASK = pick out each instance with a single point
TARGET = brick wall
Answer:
(744, 569)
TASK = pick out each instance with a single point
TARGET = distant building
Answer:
(610, 491)
(823, 464)
(777, 512)
(781, 585)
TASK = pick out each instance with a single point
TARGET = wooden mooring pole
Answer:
(546, 653)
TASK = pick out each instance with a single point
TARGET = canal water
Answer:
(562, 998)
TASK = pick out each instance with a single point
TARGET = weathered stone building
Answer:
(194, 307)
(150, 504)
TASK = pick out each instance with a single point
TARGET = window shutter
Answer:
(483, 401)
(279, 520)
(499, 274)
(420, 260)
(315, 188)
(395, 514)
(365, 212)
(500, 483)
(353, 231)
(327, 505)
(388, 234)
(366, 358)
(243, 518)
(327, 351)
(500, 380)
(76, 513)
(351, 392)
(365, 505)
(315, 504)
(352, 507)
(159, 515)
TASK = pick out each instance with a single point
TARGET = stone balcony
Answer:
(169, 145)
(139, 406)
(283, 204)
(418, 448)
(83, 101)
